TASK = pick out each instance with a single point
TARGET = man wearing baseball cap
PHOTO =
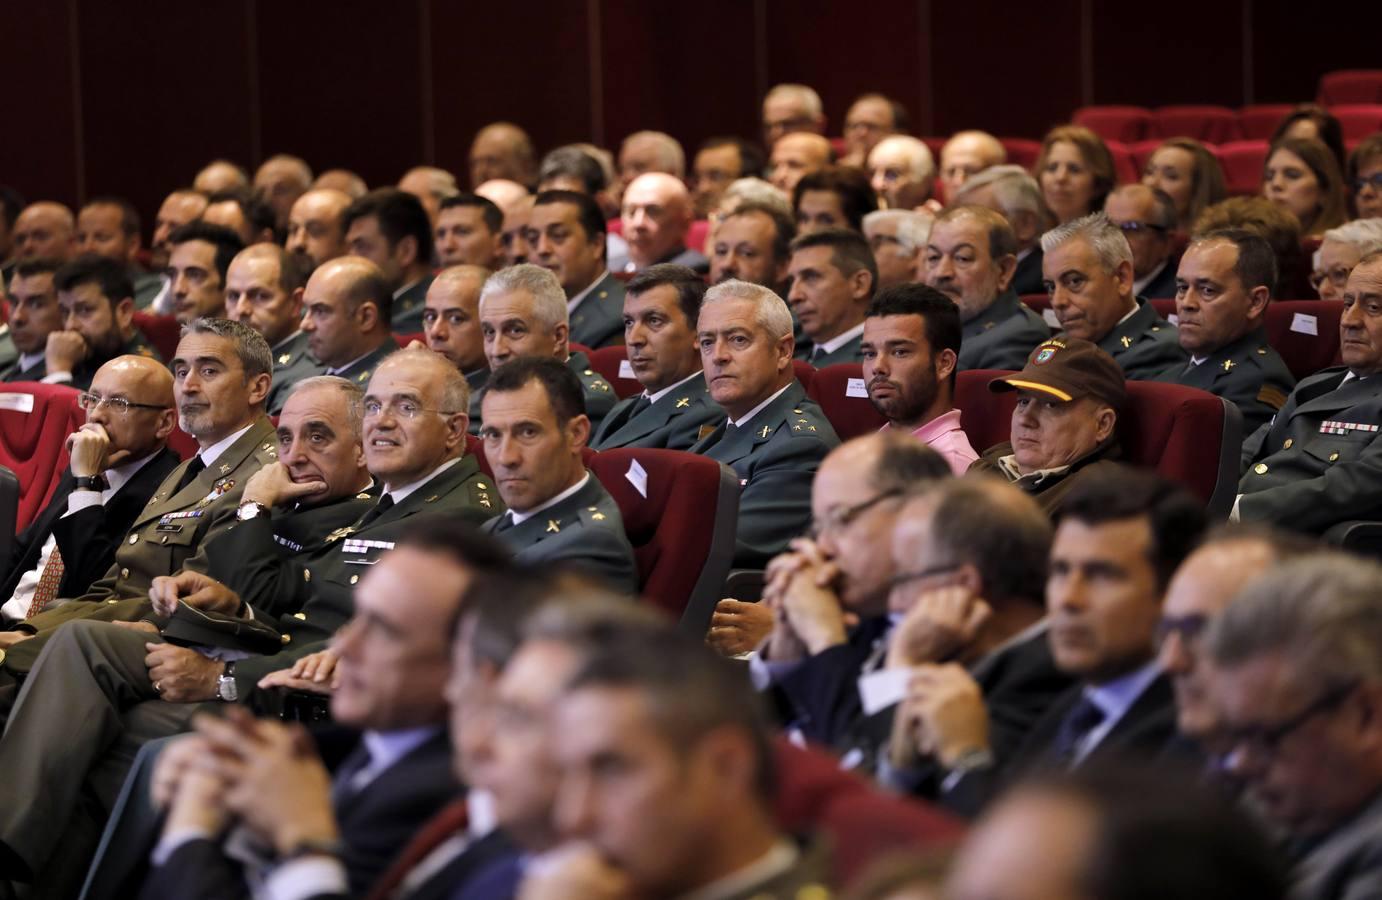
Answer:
(1068, 398)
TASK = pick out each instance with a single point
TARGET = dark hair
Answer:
(112, 277)
(784, 229)
(35, 265)
(902, 120)
(500, 605)
(1368, 150)
(400, 215)
(1175, 518)
(129, 216)
(1328, 129)
(1256, 263)
(690, 286)
(849, 251)
(493, 215)
(941, 314)
(1000, 531)
(250, 347)
(588, 212)
(258, 214)
(751, 159)
(11, 204)
(226, 242)
(857, 198)
(690, 690)
(573, 162)
(561, 385)
(449, 535)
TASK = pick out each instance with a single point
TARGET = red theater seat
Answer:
(1021, 151)
(1184, 434)
(806, 373)
(851, 416)
(612, 363)
(161, 331)
(1242, 162)
(1142, 153)
(35, 420)
(1125, 168)
(1359, 120)
(1289, 323)
(1209, 124)
(406, 338)
(1116, 123)
(183, 444)
(1258, 121)
(1351, 86)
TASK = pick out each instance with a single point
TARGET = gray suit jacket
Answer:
(1347, 864)
(674, 422)
(599, 320)
(1002, 336)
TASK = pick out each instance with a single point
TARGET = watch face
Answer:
(226, 689)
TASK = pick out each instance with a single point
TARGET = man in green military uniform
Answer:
(391, 229)
(523, 313)
(264, 288)
(34, 314)
(1225, 282)
(451, 327)
(970, 257)
(775, 437)
(661, 308)
(109, 226)
(346, 308)
(833, 276)
(1087, 264)
(567, 234)
(534, 432)
(1319, 461)
(97, 302)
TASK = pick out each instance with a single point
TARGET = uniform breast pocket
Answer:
(1336, 449)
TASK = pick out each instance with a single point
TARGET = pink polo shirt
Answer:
(944, 435)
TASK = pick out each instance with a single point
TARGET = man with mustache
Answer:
(910, 346)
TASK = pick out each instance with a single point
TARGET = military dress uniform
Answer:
(851, 351)
(599, 396)
(477, 381)
(1319, 461)
(1248, 373)
(361, 369)
(1144, 344)
(599, 318)
(775, 454)
(405, 315)
(1002, 336)
(674, 422)
(292, 363)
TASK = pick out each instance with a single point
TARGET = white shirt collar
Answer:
(740, 423)
(842, 338)
(399, 494)
(1023, 254)
(213, 453)
(336, 370)
(653, 398)
(576, 300)
(118, 476)
(1139, 284)
(1114, 699)
(29, 360)
(406, 288)
(779, 858)
(520, 517)
(286, 341)
(387, 747)
(1132, 312)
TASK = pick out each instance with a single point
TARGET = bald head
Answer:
(143, 429)
(656, 212)
(502, 150)
(316, 226)
(220, 176)
(343, 180)
(795, 156)
(965, 155)
(346, 310)
(650, 151)
(279, 182)
(789, 108)
(451, 316)
(150, 378)
(503, 193)
(45, 230)
(431, 186)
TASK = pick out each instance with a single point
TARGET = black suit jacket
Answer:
(87, 540)
(1163, 286)
(820, 697)
(1027, 277)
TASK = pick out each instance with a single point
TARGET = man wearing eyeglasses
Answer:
(1293, 673)
(1146, 216)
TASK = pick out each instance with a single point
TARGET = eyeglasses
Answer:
(1374, 180)
(1187, 627)
(840, 518)
(1337, 277)
(1135, 227)
(403, 409)
(89, 403)
(1262, 741)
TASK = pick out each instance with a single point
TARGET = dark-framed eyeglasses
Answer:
(90, 402)
(1263, 741)
(1374, 181)
(841, 517)
(1135, 227)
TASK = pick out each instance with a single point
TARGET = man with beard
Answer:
(97, 302)
(910, 346)
(970, 257)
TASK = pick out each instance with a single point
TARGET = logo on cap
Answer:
(1044, 355)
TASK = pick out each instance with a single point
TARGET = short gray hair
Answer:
(922, 163)
(549, 300)
(255, 356)
(756, 190)
(913, 228)
(808, 97)
(455, 390)
(1014, 190)
(772, 314)
(354, 396)
(670, 157)
(1103, 236)
(1363, 234)
(1323, 611)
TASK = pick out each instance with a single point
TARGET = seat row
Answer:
(1215, 124)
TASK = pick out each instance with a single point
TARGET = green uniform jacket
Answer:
(405, 316)
(775, 454)
(361, 370)
(851, 351)
(146, 287)
(585, 531)
(1319, 461)
(1002, 336)
(135, 346)
(675, 422)
(292, 363)
(599, 396)
(1248, 373)
(599, 320)
(1145, 345)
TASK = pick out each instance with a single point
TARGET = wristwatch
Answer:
(225, 685)
(250, 509)
(95, 482)
(972, 760)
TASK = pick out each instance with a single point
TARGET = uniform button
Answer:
(1286, 445)
(306, 574)
(302, 616)
(134, 539)
(112, 601)
(354, 578)
(1260, 468)
(287, 638)
(124, 573)
(1333, 456)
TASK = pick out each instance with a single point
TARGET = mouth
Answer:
(882, 389)
(383, 443)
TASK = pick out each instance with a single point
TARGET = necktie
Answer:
(451, 820)
(1083, 718)
(504, 524)
(48, 580)
(194, 468)
(384, 505)
(638, 406)
(817, 354)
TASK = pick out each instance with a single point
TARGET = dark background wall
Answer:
(132, 98)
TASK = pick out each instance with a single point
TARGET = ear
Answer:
(968, 577)
(561, 340)
(945, 363)
(295, 302)
(457, 424)
(786, 346)
(167, 421)
(367, 314)
(1124, 277)
(726, 756)
(258, 389)
(124, 315)
(1258, 298)
(1007, 268)
(578, 432)
(405, 251)
(1106, 420)
(861, 285)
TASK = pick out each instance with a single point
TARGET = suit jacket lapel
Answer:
(431, 490)
(205, 482)
(538, 526)
(1355, 392)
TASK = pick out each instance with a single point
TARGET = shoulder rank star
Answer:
(283, 358)
(1127, 342)
(339, 533)
(553, 527)
(683, 402)
(1229, 364)
(765, 432)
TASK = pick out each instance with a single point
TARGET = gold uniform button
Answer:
(302, 616)
(1333, 456)
(306, 574)
(112, 601)
(1286, 445)
(134, 539)
(124, 573)
(354, 578)
(287, 638)
(1260, 468)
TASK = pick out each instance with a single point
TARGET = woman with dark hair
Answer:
(1310, 120)
(1075, 171)
(1365, 178)
(1302, 177)
(1189, 174)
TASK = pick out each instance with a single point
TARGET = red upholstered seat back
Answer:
(1210, 124)
(35, 420)
(406, 338)
(851, 416)
(1124, 165)
(1351, 86)
(1359, 119)
(161, 331)
(1305, 353)
(1021, 151)
(805, 372)
(1242, 162)
(1256, 122)
(611, 362)
(1116, 123)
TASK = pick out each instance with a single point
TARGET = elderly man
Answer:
(901, 170)
(661, 307)
(656, 212)
(910, 344)
(279, 181)
(316, 227)
(649, 151)
(1319, 461)
(753, 244)
(1147, 218)
(790, 108)
(774, 437)
(502, 150)
(965, 155)
(199, 255)
(470, 231)
(1064, 424)
(523, 312)
(44, 230)
(451, 325)
(109, 226)
(833, 197)
(718, 162)
(1088, 268)
(221, 175)
(1224, 284)
(897, 237)
(534, 430)
(96, 300)
(868, 120)
(970, 257)
(431, 186)
(1293, 672)
(35, 313)
(390, 228)
(833, 277)
(1340, 251)
(346, 307)
(795, 156)
(264, 290)
(567, 235)
(1013, 193)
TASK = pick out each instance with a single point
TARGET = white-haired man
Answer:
(902, 170)
(1016, 194)
(897, 237)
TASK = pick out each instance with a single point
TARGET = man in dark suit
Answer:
(1015, 194)
(346, 313)
(390, 228)
(833, 277)
(1226, 280)
(118, 459)
(264, 287)
(1119, 538)
(567, 233)
(660, 311)
(1319, 461)
(96, 299)
(1147, 218)
(34, 314)
(774, 437)
(534, 433)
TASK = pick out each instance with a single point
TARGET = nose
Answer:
(719, 352)
(295, 453)
(880, 185)
(179, 287)
(796, 294)
(297, 241)
(505, 453)
(346, 640)
(638, 218)
(438, 331)
(944, 267)
(242, 308)
(1174, 655)
(572, 814)
(69, 320)
(635, 335)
